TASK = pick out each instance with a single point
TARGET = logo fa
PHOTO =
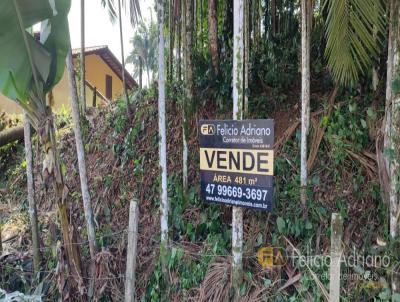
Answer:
(207, 129)
(269, 257)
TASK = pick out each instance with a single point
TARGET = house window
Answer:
(108, 87)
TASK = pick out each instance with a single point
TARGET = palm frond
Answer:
(112, 13)
(133, 9)
(354, 37)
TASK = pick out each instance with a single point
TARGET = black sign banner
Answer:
(237, 162)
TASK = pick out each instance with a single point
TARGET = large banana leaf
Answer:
(27, 65)
(55, 37)
(17, 46)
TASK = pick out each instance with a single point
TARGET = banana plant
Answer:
(29, 69)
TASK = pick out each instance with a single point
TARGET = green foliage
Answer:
(64, 117)
(354, 31)
(210, 86)
(145, 48)
(189, 268)
(347, 130)
(276, 64)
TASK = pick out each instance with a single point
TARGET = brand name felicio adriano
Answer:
(227, 130)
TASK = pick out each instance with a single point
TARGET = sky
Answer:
(99, 29)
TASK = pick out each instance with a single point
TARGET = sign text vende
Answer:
(237, 160)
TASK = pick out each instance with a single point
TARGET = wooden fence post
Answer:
(94, 100)
(336, 254)
(130, 295)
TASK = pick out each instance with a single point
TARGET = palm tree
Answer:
(238, 97)
(133, 9)
(164, 204)
(144, 44)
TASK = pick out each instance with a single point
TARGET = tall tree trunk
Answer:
(171, 40)
(391, 127)
(273, 17)
(87, 204)
(213, 34)
(194, 13)
(228, 22)
(140, 72)
(305, 94)
(83, 67)
(148, 76)
(256, 24)
(246, 56)
(31, 195)
(164, 204)
(238, 98)
(387, 127)
(128, 109)
(188, 89)
(375, 75)
(184, 45)
(201, 23)
(178, 46)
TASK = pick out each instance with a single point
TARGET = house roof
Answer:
(105, 53)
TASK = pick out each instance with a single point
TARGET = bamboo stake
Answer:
(130, 277)
(336, 253)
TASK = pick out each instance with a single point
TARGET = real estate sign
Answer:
(237, 162)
